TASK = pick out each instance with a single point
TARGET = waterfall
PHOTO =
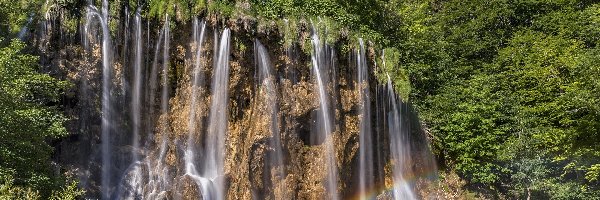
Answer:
(399, 147)
(164, 100)
(380, 126)
(267, 95)
(319, 59)
(107, 116)
(158, 177)
(125, 88)
(134, 182)
(161, 169)
(150, 94)
(293, 125)
(153, 82)
(366, 173)
(196, 82)
(25, 28)
(217, 130)
(136, 96)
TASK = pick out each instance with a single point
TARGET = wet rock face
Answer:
(186, 189)
(256, 114)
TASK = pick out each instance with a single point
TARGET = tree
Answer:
(29, 118)
(514, 104)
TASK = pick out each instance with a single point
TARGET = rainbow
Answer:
(412, 179)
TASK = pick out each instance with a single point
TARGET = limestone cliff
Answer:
(249, 172)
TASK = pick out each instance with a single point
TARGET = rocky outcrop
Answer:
(248, 146)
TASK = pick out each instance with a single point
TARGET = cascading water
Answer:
(107, 116)
(136, 97)
(266, 92)
(399, 147)
(161, 177)
(153, 82)
(136, 108)
(380, 126)
(366, 172)
(130, 186)
(164, 100)
(214, 148)
(24, 29)
(196, 82)
(285, 128)
(125, 85)
(318, 60)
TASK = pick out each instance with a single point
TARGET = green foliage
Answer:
(510, 92)
(14, 15)
(68, 192)
(223, 8)
(26, 119)
(10, 191)
(160, 8)
(508, 88)
(289, 31)
(390, 65)
(593, 173)
(184, 10)
(360, 17)
(275, 9)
